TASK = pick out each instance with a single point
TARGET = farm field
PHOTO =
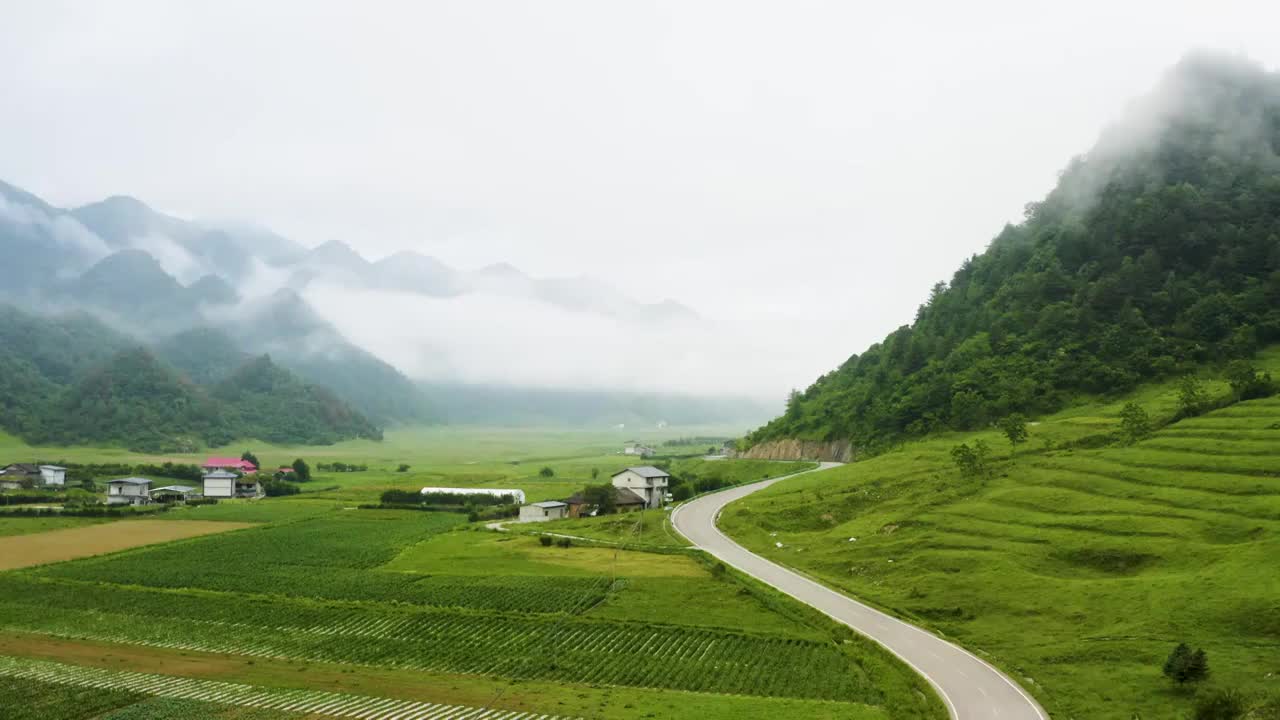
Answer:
(1075, 570)
(443, 610)
(76, 540)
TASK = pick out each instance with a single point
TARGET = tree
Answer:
(1135, 424)
(403, 468)
(1246, 382)
(595, 473)
(1185, 665)
(1192, 399)
(1014, 427)
(301, 470)
(603, 497)
(247, 455)
(972, 461)
(546, 472)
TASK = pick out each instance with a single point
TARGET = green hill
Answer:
(1158, 251)
(1076, 570)
(272, 404)
(72, 380)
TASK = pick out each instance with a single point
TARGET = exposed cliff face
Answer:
(787, 449)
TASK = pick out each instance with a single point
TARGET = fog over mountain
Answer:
(578, 194)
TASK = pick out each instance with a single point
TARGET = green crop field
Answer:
(580, 631)
(1076, 570)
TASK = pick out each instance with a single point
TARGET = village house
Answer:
(623, 501)
(224, 484)
(544, 511)
(7, 484)
(647, 481)
(53, 476)
(235, 465)
(21, 475)
(173, 494)
(128, 491)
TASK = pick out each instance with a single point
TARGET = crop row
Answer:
(302, 702)
(561, 649)
(24, 699)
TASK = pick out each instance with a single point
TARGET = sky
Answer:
(800, 173)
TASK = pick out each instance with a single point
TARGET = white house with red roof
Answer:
(236, 465)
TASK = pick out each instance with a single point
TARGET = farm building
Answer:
(635, 448)
(7, 484)
(623, 500)
(516, 495)
(244, 467)
(646, 481)
(223, 484)
(53, 475)
(544, 511)
(173, 493)
(129, 491)
(21, 473)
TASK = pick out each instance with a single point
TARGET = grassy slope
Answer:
(1075, 570)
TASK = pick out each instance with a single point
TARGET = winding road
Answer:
(971, 688)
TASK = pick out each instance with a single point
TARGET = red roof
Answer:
(243, 465)
(285, 469)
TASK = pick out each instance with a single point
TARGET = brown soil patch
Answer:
(57, 545)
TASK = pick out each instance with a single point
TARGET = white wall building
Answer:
(220, 484)
(516, 495)
(53, 475)
(129, 491)
(544, 511)
(646, 481)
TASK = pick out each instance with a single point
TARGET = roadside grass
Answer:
(648, 529)
(1077, 571)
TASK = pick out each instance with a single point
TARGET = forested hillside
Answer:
(71, 380)
(1158, 251)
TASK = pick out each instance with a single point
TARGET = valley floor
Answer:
(310, 607)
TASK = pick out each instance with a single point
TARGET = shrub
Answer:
(563, 542)
(403, 468)
(546, 472)
(1185, 665)
(545, 540)
(973, 462)
(1221, 705)
(279, 488)
(1135, 424)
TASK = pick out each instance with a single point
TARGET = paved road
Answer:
(971, 689)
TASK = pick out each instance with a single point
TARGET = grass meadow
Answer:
(1076, 570)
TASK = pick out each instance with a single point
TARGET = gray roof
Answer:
(174, 488)
(52, 467)
(645, 471)
(549, 504)
(220, 475)
(130, 481)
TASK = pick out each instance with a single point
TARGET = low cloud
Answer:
(65, 230)
(506, 340)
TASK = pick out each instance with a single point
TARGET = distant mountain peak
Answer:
(336, 252)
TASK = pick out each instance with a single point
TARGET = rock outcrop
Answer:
(828, 451)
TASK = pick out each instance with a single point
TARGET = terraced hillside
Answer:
(1077, 570)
